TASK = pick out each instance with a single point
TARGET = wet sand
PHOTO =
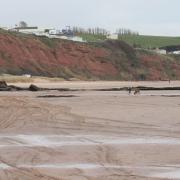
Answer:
(100, 84)
(90, 135)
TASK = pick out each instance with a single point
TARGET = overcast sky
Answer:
(156, 17)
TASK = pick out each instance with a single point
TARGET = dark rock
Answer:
(32, 87)
(6, 89)
(3, 84)
(57, 96)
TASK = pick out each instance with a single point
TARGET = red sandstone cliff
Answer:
(21, 54)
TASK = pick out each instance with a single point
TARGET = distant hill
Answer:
(102, 60)
(150, 41)
(142, 41)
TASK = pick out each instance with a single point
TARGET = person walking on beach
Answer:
(169, 81)
(129, 90)
(136, 91)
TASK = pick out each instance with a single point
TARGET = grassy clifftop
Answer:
(150, 41)
(147, 42)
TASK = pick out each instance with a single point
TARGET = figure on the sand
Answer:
(136, 91)
(169, 81)
(129, 90)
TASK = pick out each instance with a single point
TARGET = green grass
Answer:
(92, 38)
(5, 32)
(150, 41)
(51, 43)
(147, 42)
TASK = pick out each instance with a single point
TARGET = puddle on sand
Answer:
(167, 172)
(54, 166)
(55, 140)
(4, 166)
(173, 174)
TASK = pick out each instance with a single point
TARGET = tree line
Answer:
(102, 31)
(93, 31)
(123, 31)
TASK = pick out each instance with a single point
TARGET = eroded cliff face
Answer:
(31, 55)
(113, 60)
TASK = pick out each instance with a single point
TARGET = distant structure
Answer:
(112, 36)
(27, 30)
(66, 33)
(176, 52)
(175, 49)
(160, 51)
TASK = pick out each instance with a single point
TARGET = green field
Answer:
(150, 41)
(141, 41)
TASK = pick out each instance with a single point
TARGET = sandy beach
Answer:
(90, 135)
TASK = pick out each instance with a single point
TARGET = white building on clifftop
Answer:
(112, 36)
